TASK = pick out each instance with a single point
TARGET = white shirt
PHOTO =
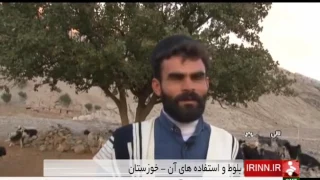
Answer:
(187, 129)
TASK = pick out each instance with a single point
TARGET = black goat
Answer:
(30, 132)
(266, 154)
(250, 152)
(281, 142)
(308, 161)
(294, 151)
(264, 140)
(3, 151)
(86, 132)
(241, 142)
(15, 137)
(22, 134)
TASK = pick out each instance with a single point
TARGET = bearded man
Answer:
(180, 77)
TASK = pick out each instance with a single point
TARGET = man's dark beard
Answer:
(187, 113)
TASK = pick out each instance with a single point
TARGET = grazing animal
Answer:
(308, 161)
(3, 151)
(250, 151)
(99, 138)
(241, 141)
(294, 151)
(30, 132)
(86, 132)
(21, 134)
(281, 142)
(266, 154)
(253, 151)
(264, 140)
(15, 137)
(283, 153)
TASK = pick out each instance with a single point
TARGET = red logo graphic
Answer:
(290, 168)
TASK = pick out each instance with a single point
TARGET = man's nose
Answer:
(187, 84)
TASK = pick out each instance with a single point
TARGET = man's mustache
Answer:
(188, 96)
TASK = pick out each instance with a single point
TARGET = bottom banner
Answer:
(140, 178)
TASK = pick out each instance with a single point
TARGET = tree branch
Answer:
(134, 92)
(221, 104)
(119, 31)
(201, 23)
(188, 14)
(112, 96)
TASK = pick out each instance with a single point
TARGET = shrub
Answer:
(97, 107)
(22, 95)
(65, 100)
(88, 106)
(6, 97)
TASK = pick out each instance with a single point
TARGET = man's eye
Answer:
(198, 77)
(176, 76)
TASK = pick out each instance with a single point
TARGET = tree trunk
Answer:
(123, 111)
(121, 103)
(123, 108)
(144, 109)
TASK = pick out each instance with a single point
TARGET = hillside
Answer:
(297, 117)
(268, 114)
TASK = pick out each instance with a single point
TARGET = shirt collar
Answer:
(167, 122)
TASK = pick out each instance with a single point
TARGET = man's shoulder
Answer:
(123, 129)
(227, 136)
(219, 130)
(128, 129)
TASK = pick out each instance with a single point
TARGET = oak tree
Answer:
(109, 44)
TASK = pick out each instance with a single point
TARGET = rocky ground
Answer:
(58, 139)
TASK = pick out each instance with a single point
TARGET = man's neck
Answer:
(187, 129)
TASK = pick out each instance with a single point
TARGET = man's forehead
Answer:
(183, 65)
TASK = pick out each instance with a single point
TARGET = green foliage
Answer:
(88, 106)
(97, 107)
(5, 88)
(65, 100)
(116, 39)
(22, 95)
(6, 97)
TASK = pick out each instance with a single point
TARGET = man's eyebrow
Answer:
(199, 73)
(175, 74)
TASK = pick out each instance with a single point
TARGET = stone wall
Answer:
(62, 139)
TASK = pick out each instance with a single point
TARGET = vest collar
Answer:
(168, 124)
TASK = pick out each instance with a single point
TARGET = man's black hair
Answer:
(177, 45)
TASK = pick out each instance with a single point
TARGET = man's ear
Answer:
(156, 86)
(207, 81)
